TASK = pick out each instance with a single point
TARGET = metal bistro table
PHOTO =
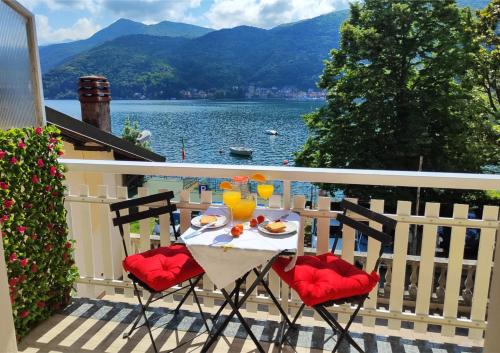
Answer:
(228, 260)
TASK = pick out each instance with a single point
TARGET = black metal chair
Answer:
(324, 280)
(160, 269)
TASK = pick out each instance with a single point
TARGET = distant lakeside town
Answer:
(248, 92)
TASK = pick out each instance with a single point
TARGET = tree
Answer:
(488, 58)
(399, 88)
(131, 133)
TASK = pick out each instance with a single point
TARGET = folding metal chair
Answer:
(324, 280)
(160, 269)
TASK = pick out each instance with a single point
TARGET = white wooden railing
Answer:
(452, 292)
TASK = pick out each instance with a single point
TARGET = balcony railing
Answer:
(423, 290)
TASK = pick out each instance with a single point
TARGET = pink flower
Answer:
(13, 160)
(40, 163)
(34, 236)
(13, 257)
(4, 185)
(38, 130)
(21, 144)
(65, 256)
(33, 268)
(2, 154)
(40, 304)
(8, 203)
(50, 226)
(50, 147)
(21, 229)
(53, 140)
(12, 298)
(24, 314)
(23, 262)
(53, 171)
(68, 245)
(3, 234)
(13, 281)
(34, 179)
(4, 218)
(48, 188)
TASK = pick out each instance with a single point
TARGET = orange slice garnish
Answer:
(259, 178)
(226, 185)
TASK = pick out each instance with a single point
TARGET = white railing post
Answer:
(399, 265)
(492, 339)
(483, 273)
(454, 273)
(8, 332)
(426, 272)
(371, 258)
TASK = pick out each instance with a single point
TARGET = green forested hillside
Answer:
(138, 62)
(159, 67)
(55, 54)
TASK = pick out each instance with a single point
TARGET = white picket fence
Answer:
(433, 292)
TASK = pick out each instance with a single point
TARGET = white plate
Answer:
(221, 221)
(290, 228)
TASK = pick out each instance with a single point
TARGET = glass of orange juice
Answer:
(230, 199)
(265, 190)
(243, 210)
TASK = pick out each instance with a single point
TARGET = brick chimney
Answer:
(94, 96)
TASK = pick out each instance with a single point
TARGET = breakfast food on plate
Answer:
(236, 231)
(275, 227)
(207, 219)
(260, 219)
(253, 223)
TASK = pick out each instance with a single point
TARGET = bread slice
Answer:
(276, 227)
(206, 219)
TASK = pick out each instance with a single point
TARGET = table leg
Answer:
(213, 337)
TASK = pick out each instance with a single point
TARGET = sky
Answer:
(67, 20)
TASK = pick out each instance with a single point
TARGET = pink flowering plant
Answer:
(33, 226)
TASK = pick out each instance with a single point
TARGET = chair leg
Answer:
(291, 326)
(143, 310)
(198, 301)
(176, 310)
(134, 326)
(276, 302)
(344, 331)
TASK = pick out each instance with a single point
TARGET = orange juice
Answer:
(230, 198)
(243, 210)
(265, 190)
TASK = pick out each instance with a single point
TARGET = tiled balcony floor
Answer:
(97, 326)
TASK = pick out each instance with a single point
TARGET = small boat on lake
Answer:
(272, 132)
(241, 151)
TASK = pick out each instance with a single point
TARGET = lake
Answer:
(208, 127)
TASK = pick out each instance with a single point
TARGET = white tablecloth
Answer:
(226, 259)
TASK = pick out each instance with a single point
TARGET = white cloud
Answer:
(150, 11)
(81, 29)
(267, 13)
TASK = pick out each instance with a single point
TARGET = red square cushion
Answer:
(318, 279)
(164, 267)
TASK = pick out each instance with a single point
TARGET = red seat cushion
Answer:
(318, 279)
(164, 267)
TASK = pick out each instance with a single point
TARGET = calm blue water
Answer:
(210, 126)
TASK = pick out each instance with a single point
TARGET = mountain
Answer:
(55, 54)
(159, 67)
